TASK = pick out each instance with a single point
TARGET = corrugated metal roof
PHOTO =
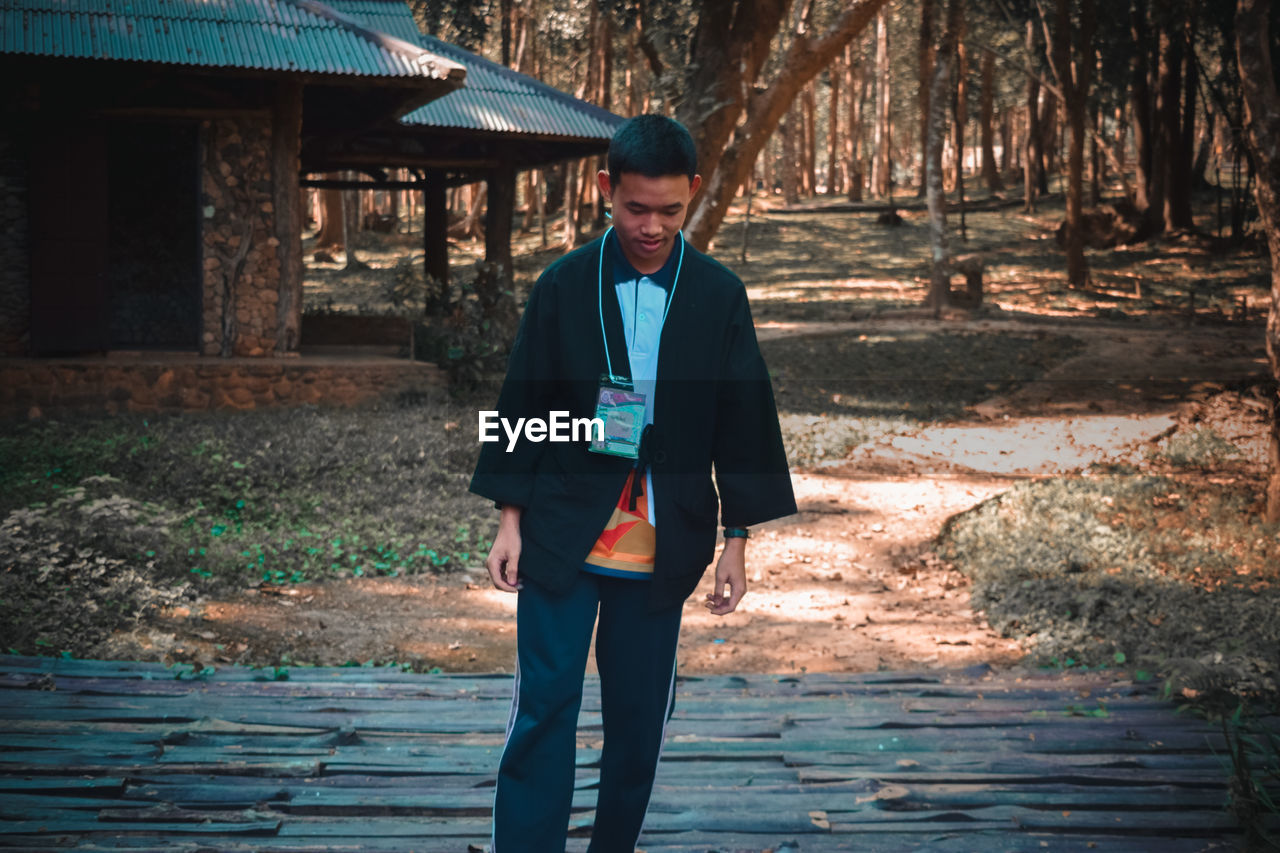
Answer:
(276, 35)
(494, 98)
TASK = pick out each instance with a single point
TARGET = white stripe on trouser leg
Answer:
(666, 718)
(511, 724)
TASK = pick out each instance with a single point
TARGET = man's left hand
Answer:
(731, 570)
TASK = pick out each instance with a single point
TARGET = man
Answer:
(654, 340)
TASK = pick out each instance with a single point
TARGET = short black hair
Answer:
(653, 146)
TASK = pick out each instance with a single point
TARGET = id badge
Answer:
(621, 409)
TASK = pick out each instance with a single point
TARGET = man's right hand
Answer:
(503, 562)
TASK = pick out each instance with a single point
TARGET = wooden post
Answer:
(286, 146)
(435, 237)
(498, 216)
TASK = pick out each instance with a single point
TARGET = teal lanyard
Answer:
(675, 282)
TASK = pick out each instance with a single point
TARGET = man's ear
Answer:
(694, 183)
(606, 186)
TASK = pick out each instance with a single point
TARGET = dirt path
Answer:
(848, 584)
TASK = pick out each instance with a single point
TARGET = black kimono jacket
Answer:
(713, 406)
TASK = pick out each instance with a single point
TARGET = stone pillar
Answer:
(242, 270)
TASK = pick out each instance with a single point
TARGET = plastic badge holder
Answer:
(622, 410)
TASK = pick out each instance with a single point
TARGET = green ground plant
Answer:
(145, 512)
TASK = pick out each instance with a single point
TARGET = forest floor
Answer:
(1158, 370)
(854, 582)
(851, 583)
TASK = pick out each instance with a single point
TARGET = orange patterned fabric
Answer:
(627, 544)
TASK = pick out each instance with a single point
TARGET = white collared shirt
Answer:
(643, 305)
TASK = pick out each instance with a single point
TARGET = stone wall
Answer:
(241, 257)
(41, 386)
(15, 257)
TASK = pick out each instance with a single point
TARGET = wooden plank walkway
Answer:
(105, 756)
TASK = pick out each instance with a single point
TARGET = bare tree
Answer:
(990, 172)
(730, 119)
(960, 104)
(333, 227)
(809, 150)
(1072, 55)
(1033, 162)
(940, 276)
(790, 166)
(924, 65)
(856, 84)
(882, 154)
(1140, 98)
(835, 74)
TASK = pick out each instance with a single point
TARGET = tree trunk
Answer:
(472, 227)
(1200, 167)
(1180, 190)
(880, 177)
(504, 12)
(435, 241)
(790, 170)
(857, 86)
(1166, 123)
(1031, 160)
(523, 30)
(924, 68)
(333, 231)
(554, 180)
(1144, 182)
(1262, 134)
(499, 211)
(990, 171)
(768, 155)
(725, 163)
(940, 275)
(1095, 152)
(530, 187)
(571, 206)
(351, 222)
(541, 198)
(961, 104)
(1073, 59)
(1171, 163)
(1007, 150)
(1049, 143)
(605, 101)
(810, 151)
(833, 130)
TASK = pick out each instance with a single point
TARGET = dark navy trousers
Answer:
(635, 654)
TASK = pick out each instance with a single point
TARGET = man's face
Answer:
(647, 213)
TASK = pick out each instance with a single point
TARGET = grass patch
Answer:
(216, 501)
(1202, 449)
(1151, 570)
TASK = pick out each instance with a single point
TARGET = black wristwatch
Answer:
(736, 533)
